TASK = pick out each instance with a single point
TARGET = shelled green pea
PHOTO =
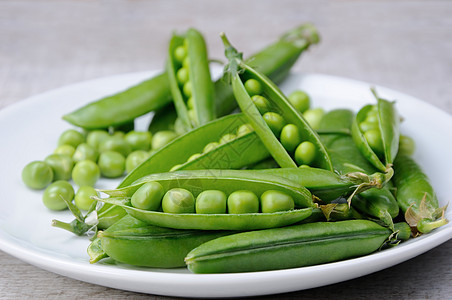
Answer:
(85, 172)
(313, 116)
(37, 175)
(135, 158)
(85, 151)
(55, 193)
(83, 196)
(112, 164)
(139, 140)
(61, 165)
(71, 137)
(300, 100)
(161, 138)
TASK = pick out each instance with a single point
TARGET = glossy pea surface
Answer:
(211, 202)
(53, 194)
(178, 201)
(300, 100)
(275, 121)
(71, 137)
(112, 164)
(290, 137)
(85, 172)
(82, 198)
(61, 166)
(37, 175)
(274, 201)
(148, 196)
(243, 202)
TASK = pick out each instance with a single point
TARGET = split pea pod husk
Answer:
(287, 247)
(237, 71)
(199, 79)
(136, 243)
(416, 196)
(388, 121)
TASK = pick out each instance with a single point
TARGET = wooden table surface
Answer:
(403, 45)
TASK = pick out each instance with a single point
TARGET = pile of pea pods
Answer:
(233, 175)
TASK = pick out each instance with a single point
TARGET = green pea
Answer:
(373, 137)
(112, 164)
(210, 146)
(135, 158)
(190, 103)
(243, 202)
(117, 144)
(262, 104)
(314, 116)
(182, 76)
(194, 156)
(192, 116)
(61, 166)
(37, 175)
(85, 172)
(244, 129)
(300, 100)
(227, 138)
(372, 115)
(406, 145)
(178, 201)
(274, 201)
(161, 138)
(96, 137)
(186, 63)
(71, 137)
(211, 202)
(55, 193)
(290, 137)
(275, 121)
(83, 196)
(175, 167)
(85, 151)
(148, 196)
(139, 140)
(118, 134)
(180, 53)
(253, 87)
(305, 153)
(365, 126)
(187, 89)
(65, 149)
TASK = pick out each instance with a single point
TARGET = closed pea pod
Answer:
(268, 130)
(287, 247)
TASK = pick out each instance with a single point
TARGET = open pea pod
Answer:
(251, 221)
(270, 119)
(190, 80)
(233, 145)
(227, 181)
(376, 133)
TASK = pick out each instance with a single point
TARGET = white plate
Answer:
(30, 129)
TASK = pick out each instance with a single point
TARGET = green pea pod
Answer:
(288, 247)
(347, 159)
(163, 119)
(134, 242)
(238, 73)
(387, 131)
(227, 181)
(416, 196)
(250, 221)
(198, 77)
(123, 107)
(239, 152)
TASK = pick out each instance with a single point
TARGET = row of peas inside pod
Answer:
(84, 158)
(288, 134)
(152, 196)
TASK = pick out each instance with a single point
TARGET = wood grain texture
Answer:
(404, 45)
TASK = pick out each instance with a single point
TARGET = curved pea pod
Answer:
(196, 76)
(238, 73)
(382, 151)
(134, 242)
(416, 196)
(123, 107)
(288, 247)
(236, 153)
